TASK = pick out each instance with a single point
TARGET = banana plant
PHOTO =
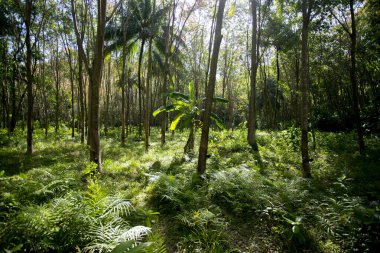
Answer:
(188, 113)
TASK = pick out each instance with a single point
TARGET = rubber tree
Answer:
(305, 86)
(29, 76)
(252, 93)
(95, 77)
(210, 90)
(352, 33)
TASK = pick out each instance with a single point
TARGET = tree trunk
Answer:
(140, 87)
(123, 81)
(81, 99)
(305, 83)
(108, 94)
(210, 90)
(44, 95)
(147, 98)
(230, 106)
(29, 77)
(95, 76)
(69, 59)
(252, 97)
(190, 141)
(123, 105)
(277, 88)
(57, 88)
(5, 107)
(13, 121)
(354, 83)
(210, 46)
(95, 81)
(166, 75)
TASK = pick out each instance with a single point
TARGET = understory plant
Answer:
(186, 106)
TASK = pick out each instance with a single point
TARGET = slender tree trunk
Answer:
(13, 121)
(148, 98)
(4, 102)
(4, 85)
(252, 97)
(354, 82)
(140, 86)
(57, 88)
(166, 75)
(72, 105)
(210, 46)
(123, 105)
(305, 84)
(123, 81)
(129, 98)
(29, 77)
(277, 88)
(69, 58)
(81, 99)
(190, 141)
(108, 94)
(210, 90)
(44, 95)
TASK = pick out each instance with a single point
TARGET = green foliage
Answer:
(246, 202)
(207, 231)
(186, 106)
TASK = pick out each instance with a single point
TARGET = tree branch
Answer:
(113, 11)
(78, 38)
(345, 28)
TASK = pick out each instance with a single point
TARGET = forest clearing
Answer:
(232, 126)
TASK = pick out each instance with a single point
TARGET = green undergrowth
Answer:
(155, 202)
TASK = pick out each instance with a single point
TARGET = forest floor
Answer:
(246, 201)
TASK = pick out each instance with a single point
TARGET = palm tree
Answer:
(188, 113)
(142, 22)
(148, 22)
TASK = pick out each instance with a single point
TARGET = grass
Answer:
(246, 202)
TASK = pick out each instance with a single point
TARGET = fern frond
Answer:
(108, 236)
(118, 207)
(136, 233)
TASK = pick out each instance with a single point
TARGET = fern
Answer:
(117, 207)
(108, 236)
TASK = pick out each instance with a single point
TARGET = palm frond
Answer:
(178, 95)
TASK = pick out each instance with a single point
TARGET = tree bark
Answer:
(108, 94)
(123, 81)
(29, 77)
(190, 141)
(12, 89)
(140, 86)
(57, 87)
(252, 96)
(354, 82)
(147, 98)
(81, 99)
(304, 85)
(95, 76)
(210, 90)
(166, 74)
(274, 125)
